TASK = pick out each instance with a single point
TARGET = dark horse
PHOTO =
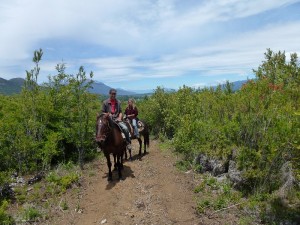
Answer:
(143, 131)
(110, 140)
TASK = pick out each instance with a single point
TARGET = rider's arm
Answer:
(104, 107)
(120, 116)
(134, 114)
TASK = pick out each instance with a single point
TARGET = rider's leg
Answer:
(136, 131)
(127, 134)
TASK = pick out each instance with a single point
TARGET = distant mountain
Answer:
(236, 85)
(151, 91)
(12, 86)
(147, 91)
(103, 89)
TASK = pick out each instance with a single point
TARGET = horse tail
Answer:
(146, 136)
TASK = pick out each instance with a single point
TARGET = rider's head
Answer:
(112, 93)
(130, 102)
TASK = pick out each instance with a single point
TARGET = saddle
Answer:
(122, 131)
(140, 125)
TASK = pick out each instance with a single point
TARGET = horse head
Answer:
(103, 128)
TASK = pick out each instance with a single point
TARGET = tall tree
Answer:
(81, 111)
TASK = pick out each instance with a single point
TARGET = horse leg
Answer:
(130, 156)
(109, 178)
(145, 151)
(115, 162)
(125, 152)
(121, 158)
(120, 165)
(140, 143)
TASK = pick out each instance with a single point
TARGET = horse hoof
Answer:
(109, 179)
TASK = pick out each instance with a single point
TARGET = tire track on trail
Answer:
(153, 192)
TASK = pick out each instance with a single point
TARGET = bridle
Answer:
(104, 127)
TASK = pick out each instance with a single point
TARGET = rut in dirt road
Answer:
(153, 192)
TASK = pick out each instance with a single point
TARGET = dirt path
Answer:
(153, 192)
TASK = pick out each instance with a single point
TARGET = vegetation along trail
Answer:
(238, 151)
(153, 192)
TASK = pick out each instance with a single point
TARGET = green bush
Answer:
(5, 219)
(260, 122)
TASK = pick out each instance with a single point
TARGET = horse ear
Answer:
(98, 116)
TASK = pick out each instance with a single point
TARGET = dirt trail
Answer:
(153, 192)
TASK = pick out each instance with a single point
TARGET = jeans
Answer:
(135, 128)
(125, 130)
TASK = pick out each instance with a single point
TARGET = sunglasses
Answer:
(113, 93)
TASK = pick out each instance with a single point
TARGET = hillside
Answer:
(12, 86)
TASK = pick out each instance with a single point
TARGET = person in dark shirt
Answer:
(131, 113)
(112, 106)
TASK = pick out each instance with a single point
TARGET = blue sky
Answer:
(139, 44)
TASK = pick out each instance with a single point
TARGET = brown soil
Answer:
(153, 192)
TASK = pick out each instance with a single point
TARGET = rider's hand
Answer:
(118, 120)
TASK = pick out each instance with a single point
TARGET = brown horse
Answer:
(110, 140)
(143, 131)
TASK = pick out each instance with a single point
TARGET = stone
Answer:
(234, 175)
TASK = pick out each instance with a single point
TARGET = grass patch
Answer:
(31, 214)
(183, 165)
(165, 144)
(214, 195)
(63, 177)
(64, 205)
(20, 194)
(34, 202)
(5, 218)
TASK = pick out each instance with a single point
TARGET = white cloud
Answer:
(151, 38)
(237, 56)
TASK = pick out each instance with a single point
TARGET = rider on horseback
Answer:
(112, 106)
(131, 113)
